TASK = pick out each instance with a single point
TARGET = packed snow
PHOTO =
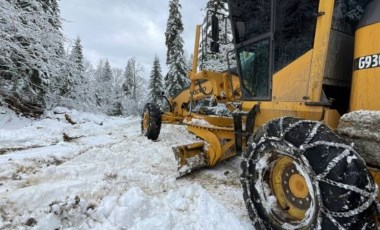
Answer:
(75, 170)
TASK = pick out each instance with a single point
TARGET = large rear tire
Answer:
(300, 175)
(151, 121)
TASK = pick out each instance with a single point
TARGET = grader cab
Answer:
(304, 112)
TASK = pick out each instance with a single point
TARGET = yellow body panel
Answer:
(365, 91)
(321, 43)
(289, 83)
(331, 118)
(272, 110)
(302, 79)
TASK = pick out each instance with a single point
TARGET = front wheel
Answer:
(151, 121)
(300, 175)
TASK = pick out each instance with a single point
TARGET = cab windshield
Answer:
(269, 35)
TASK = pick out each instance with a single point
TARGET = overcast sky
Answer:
(120, 29)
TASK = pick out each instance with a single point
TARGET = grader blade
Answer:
(190, 157)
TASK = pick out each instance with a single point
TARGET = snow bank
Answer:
(189, 207)
(76, 116)
(9, 120)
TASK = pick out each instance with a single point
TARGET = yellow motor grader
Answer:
(304, 112)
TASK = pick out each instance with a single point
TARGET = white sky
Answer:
(120, 29)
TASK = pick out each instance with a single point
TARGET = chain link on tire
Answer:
(340, 193)
(151, 121)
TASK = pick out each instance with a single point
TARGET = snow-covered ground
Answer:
(101, 173)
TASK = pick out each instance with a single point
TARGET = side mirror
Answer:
(215, 28)
(214, 46)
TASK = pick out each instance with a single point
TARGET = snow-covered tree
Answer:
(132, 78)
(99, 69)
(174, 28)
(77, 56)
(117, 91)
(128, 82)
(176, 78)
(217, 61)
(76, 81)
(51, 8)
(134, 88)
(107, 74)
(37, 72)
(155, 83)
(97, 77)
(105, 96)
(31, 52)
(190, 63)
(118, 76)
(88, 87)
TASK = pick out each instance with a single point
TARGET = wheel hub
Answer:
(298, 186)
(290, 188)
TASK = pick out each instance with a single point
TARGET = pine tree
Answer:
(88, 88)
(98, 78)
(132, 78)
(174, 28)
(75, 81)
(176, 79)
(155, 83)
(76, 56)
(99, 70)
(107, 75)
(104, 90)
(134, 88)
(51, 8)
(190, 63)
(117, 92)
(128, 78)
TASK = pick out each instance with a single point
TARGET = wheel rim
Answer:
(145, 121)
(290, 188)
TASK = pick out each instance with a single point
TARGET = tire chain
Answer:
(348, 149)
(321, 178)
(247, 181)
